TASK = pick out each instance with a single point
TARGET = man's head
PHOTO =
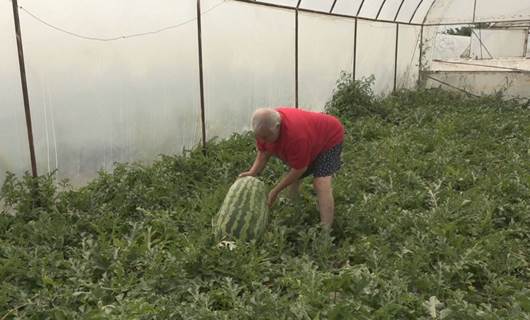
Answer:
(266, 124)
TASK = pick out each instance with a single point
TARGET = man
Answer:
(310, 143)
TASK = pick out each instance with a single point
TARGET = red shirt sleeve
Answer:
(260, 145)
(299, 154)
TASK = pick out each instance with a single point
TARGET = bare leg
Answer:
(326, 204)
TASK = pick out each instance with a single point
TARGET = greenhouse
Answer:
(124, 126)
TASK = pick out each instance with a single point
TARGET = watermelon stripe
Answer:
(262, 221)
(248, 213)
(236, 210)
(224, 213)
(243, 214)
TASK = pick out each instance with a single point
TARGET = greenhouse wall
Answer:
(498, 43)
(248, 63)
(94, 103)
(325, 50)
(408, 60)
(511, 85)
(122, 84)
(14, 151)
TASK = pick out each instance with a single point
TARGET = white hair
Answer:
(265, 118)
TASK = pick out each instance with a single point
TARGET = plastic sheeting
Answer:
(451, 46)
(326, 46)
(99, 102)
(498, 43)
(376, 54)
(454, 11)
(420, 11)
(248, 63)
(511, 85)
(408, 61)
(96, 102)
(14, 149)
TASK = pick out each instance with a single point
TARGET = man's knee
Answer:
(322, 185)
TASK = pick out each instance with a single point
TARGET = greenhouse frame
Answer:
(89, 86)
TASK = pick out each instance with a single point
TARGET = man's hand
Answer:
(271, 199)
(249, 173)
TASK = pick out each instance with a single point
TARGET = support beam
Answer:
(415, 11)
(333, 6)
(296, 58)
(474, 11)
(354, 76)
(471, 22)
(396, 57)
(399, 10)
(25, 94)
(201, 75)
(380, 9)
(420, 66)
(324, 13)
(360, 8)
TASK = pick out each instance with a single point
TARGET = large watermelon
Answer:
(244, 213)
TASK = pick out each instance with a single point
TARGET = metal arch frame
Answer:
(297, 9)
(333, 6)
(399, 10)
(326, 13)
(415, 11)
(380, 9)
(296, 41)
(356, 16)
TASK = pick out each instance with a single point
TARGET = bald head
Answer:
(266, 124)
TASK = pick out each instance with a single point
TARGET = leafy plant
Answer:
(432, 220)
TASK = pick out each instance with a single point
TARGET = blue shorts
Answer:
(326, 163)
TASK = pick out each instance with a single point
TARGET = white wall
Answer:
(498, 43)
(489, 82)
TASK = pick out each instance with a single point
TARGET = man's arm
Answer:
(287, 180)
(259, 164)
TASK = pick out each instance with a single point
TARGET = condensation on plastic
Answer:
(14, 147)
(408, 56)
(376, 54)
(97, 103)
(325, 50)
(249, 63)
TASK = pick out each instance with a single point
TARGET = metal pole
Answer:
(324, 13)
(414, 14)
(360, 7)
(296, 55)
(474, 10)
(201, 76)
(399, 9)
(355, 51)
(333, 6)
(421, 56)
(396, 57)
(380, 9)
(525, 49)
(25, 95)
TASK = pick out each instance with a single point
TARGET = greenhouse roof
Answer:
(428, 12)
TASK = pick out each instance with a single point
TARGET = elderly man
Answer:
(310, 143)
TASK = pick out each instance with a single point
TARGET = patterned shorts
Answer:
(326, 163)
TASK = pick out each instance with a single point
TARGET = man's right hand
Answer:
(247, 174)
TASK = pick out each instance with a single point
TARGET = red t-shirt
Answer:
(303, 136)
